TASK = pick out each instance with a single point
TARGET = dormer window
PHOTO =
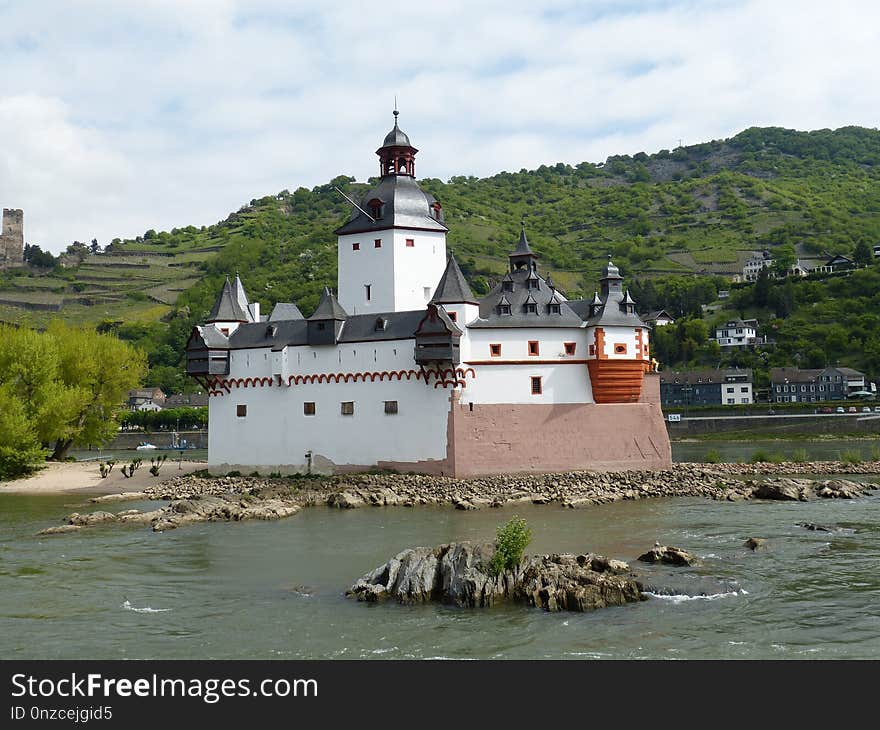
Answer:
(555, 308)
(532, 283)
(530, 308)
(375, 208)
(381, 323)
(507, 285)
(453, 316)
(271, 330)
(503, 309)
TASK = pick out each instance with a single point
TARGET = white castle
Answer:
(406, 369)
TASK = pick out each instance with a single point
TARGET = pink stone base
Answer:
(494, 439)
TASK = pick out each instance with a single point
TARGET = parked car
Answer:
(876, 409)
(827, 409)
(866, 409)
(852, 409)
(840, 409)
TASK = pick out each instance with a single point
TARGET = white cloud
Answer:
(118, 116)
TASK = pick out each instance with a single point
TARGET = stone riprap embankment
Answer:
(193, 498)
(459, 574)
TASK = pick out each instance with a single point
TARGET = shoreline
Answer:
(83, 477)
(194, 498)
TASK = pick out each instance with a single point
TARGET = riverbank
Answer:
(85, 478)
(197, 498)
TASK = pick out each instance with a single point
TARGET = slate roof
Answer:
(613, 315)
(227, 307)
(542, 295)
(357, 328)
(796, 375)
(285, 310)
(396, 137)
(328, 308)
(705, 377)
(406, 205)
(453, 287)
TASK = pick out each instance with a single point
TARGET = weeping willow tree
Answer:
(60, 388)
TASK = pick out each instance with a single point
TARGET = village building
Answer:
(706, 387)
(12, 239)
(658, 318)
(794, 385)
(405, 368)
(738, 333)
(146, 399)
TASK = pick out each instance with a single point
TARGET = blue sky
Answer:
(121, 116)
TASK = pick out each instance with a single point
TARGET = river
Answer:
(275, 589)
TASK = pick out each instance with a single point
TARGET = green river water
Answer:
(275, 589)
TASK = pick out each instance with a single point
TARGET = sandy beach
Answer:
(84, 477)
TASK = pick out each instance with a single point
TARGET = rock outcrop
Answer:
(459, 574)
(755, 543)
(797, 490)
(667, 555)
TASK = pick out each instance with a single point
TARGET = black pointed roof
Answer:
(227, 308)
(396, 137)
(523, 248)
(328, 308)
(453, 287)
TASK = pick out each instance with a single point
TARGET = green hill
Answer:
(694, 210)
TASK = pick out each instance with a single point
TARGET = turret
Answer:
(325, 325)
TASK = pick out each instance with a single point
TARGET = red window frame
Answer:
(377, 243)
(453, 316)
(410, 243)
(355, 247)
(534, 348)
(592, 349)
(570, 348)
(537, 385)
(620, 348)
(495, 349)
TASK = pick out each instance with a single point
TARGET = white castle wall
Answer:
(275, 434)
(507, 379)
(401, 278)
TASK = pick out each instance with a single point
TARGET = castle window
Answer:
(555, 308)
(507, 285)
(570, 348)
(531, 283)
(377, 243)
(240, 411)
(355, 247)
(391, 407)
(592, 349)
(322, 325)
(531, 308)
(495, 349)
(503, 309)
(620, 349)
(368, 291)
(224, 331)
(537, 388)
(308, 408)
(426, 290)
(410, 243)
(347, 408)
(453, 316)
(534, 348)
(380, 324)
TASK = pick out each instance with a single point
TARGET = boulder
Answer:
(755, 543)
(816, 527)
(667, 555)
(345, 500)
(92, 518)
(780, 489)
(60, 529)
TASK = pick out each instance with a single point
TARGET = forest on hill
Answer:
(676, 222)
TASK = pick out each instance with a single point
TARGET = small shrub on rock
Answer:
(511, 540)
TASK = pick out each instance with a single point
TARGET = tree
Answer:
(784, 257)
(20, 449)
(761, 290)
(862, 253)
(101, 369)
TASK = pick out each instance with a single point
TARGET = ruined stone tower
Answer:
(12, 238)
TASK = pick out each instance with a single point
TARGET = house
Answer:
(706, 387)
(186, 400)
(793, 385)
(658, 318)
(836, 263)
(757, 261)
(405, 368)
(146, 399)
(738, 333)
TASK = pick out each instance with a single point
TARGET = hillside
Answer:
(694, 210)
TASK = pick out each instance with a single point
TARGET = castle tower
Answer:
(392, 252)
(12, 238)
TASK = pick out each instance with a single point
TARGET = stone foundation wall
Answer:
(495, 439)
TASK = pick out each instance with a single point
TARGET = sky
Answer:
(119, 116)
